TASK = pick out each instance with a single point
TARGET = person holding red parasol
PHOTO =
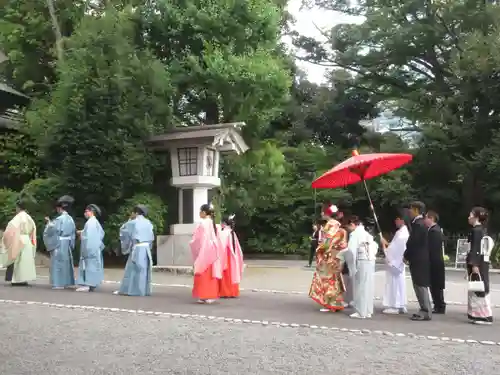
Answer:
(327, 287)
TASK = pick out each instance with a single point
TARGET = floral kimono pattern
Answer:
(327, 285)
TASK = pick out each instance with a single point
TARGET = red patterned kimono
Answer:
(327, 285)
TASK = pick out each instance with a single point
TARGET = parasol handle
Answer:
(372, 208)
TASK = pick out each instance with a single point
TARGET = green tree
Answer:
(8, 206)
(20, 161)
(437, 60)
(110, 98)
(28, 39)
(224, 58)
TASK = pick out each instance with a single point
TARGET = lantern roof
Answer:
(223, 137)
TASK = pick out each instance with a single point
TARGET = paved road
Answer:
(260, 306)
(42, 340)
(98, 333)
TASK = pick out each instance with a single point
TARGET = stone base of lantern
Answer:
(173, 250)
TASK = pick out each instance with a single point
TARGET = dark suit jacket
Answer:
(417, 253)
(435, 245)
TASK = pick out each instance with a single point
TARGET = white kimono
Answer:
(395, 284)
(360, 258)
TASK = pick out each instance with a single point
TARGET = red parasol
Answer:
(360, 168)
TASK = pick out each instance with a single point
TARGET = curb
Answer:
(184, 270)
(175, 270)
(272, 291)
(264, 323)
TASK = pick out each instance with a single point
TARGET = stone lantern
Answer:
(194, 155)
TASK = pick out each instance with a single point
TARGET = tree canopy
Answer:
(121, 71)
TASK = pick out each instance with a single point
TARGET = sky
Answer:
(306, 19)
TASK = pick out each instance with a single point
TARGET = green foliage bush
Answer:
(7, 206)
(157, 213)
(495, 254)
(20, 161)
(44, 192)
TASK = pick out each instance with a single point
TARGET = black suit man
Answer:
(435, 245)
(417, 256)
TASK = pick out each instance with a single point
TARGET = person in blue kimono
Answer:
(59, 240)
(136, 237)
(91, 266)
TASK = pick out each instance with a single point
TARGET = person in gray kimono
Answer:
(136, 237)
(59, 239)
(91, 266)
(360, 257)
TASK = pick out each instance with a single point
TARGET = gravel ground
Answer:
(61, 341)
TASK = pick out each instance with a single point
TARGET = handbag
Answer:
(475, 286)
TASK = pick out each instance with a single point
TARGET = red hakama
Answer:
(205, 285)
(228, 289)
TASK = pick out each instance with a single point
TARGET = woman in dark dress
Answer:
(314, 242)
(478, 265)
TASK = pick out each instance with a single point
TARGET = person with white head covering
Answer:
(360, 257)
(137, 237)
(327, 286)
(59, 238)
(91, 266)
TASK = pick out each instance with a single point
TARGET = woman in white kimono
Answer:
(91, 266)
(18, 248)
(395, 280)
(137, 237)
(360, 258)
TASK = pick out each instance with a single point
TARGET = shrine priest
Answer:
(137, 237)
(91, 266)
(59, 238)
(18, 248)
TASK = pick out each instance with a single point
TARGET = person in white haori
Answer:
(394, 299)
(360, 258)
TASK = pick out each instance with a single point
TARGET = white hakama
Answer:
(395, 285)
(360, 257)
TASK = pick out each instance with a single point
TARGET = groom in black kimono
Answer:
(435, 245)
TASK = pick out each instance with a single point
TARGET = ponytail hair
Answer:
(481, 214)
(229, 221)
(209, 210)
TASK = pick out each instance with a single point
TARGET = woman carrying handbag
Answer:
(478, 265)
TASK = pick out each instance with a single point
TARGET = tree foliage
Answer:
(133, 69)
(20, 159)
(439, 62)
(27, 37)
(109, 99)
(223, 58)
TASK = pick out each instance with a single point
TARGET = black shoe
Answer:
(439, 311)
(420, 318)
(20, 284)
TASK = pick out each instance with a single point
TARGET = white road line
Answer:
(301, 293)
(263, 323)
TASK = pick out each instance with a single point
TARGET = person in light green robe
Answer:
(18, 248)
